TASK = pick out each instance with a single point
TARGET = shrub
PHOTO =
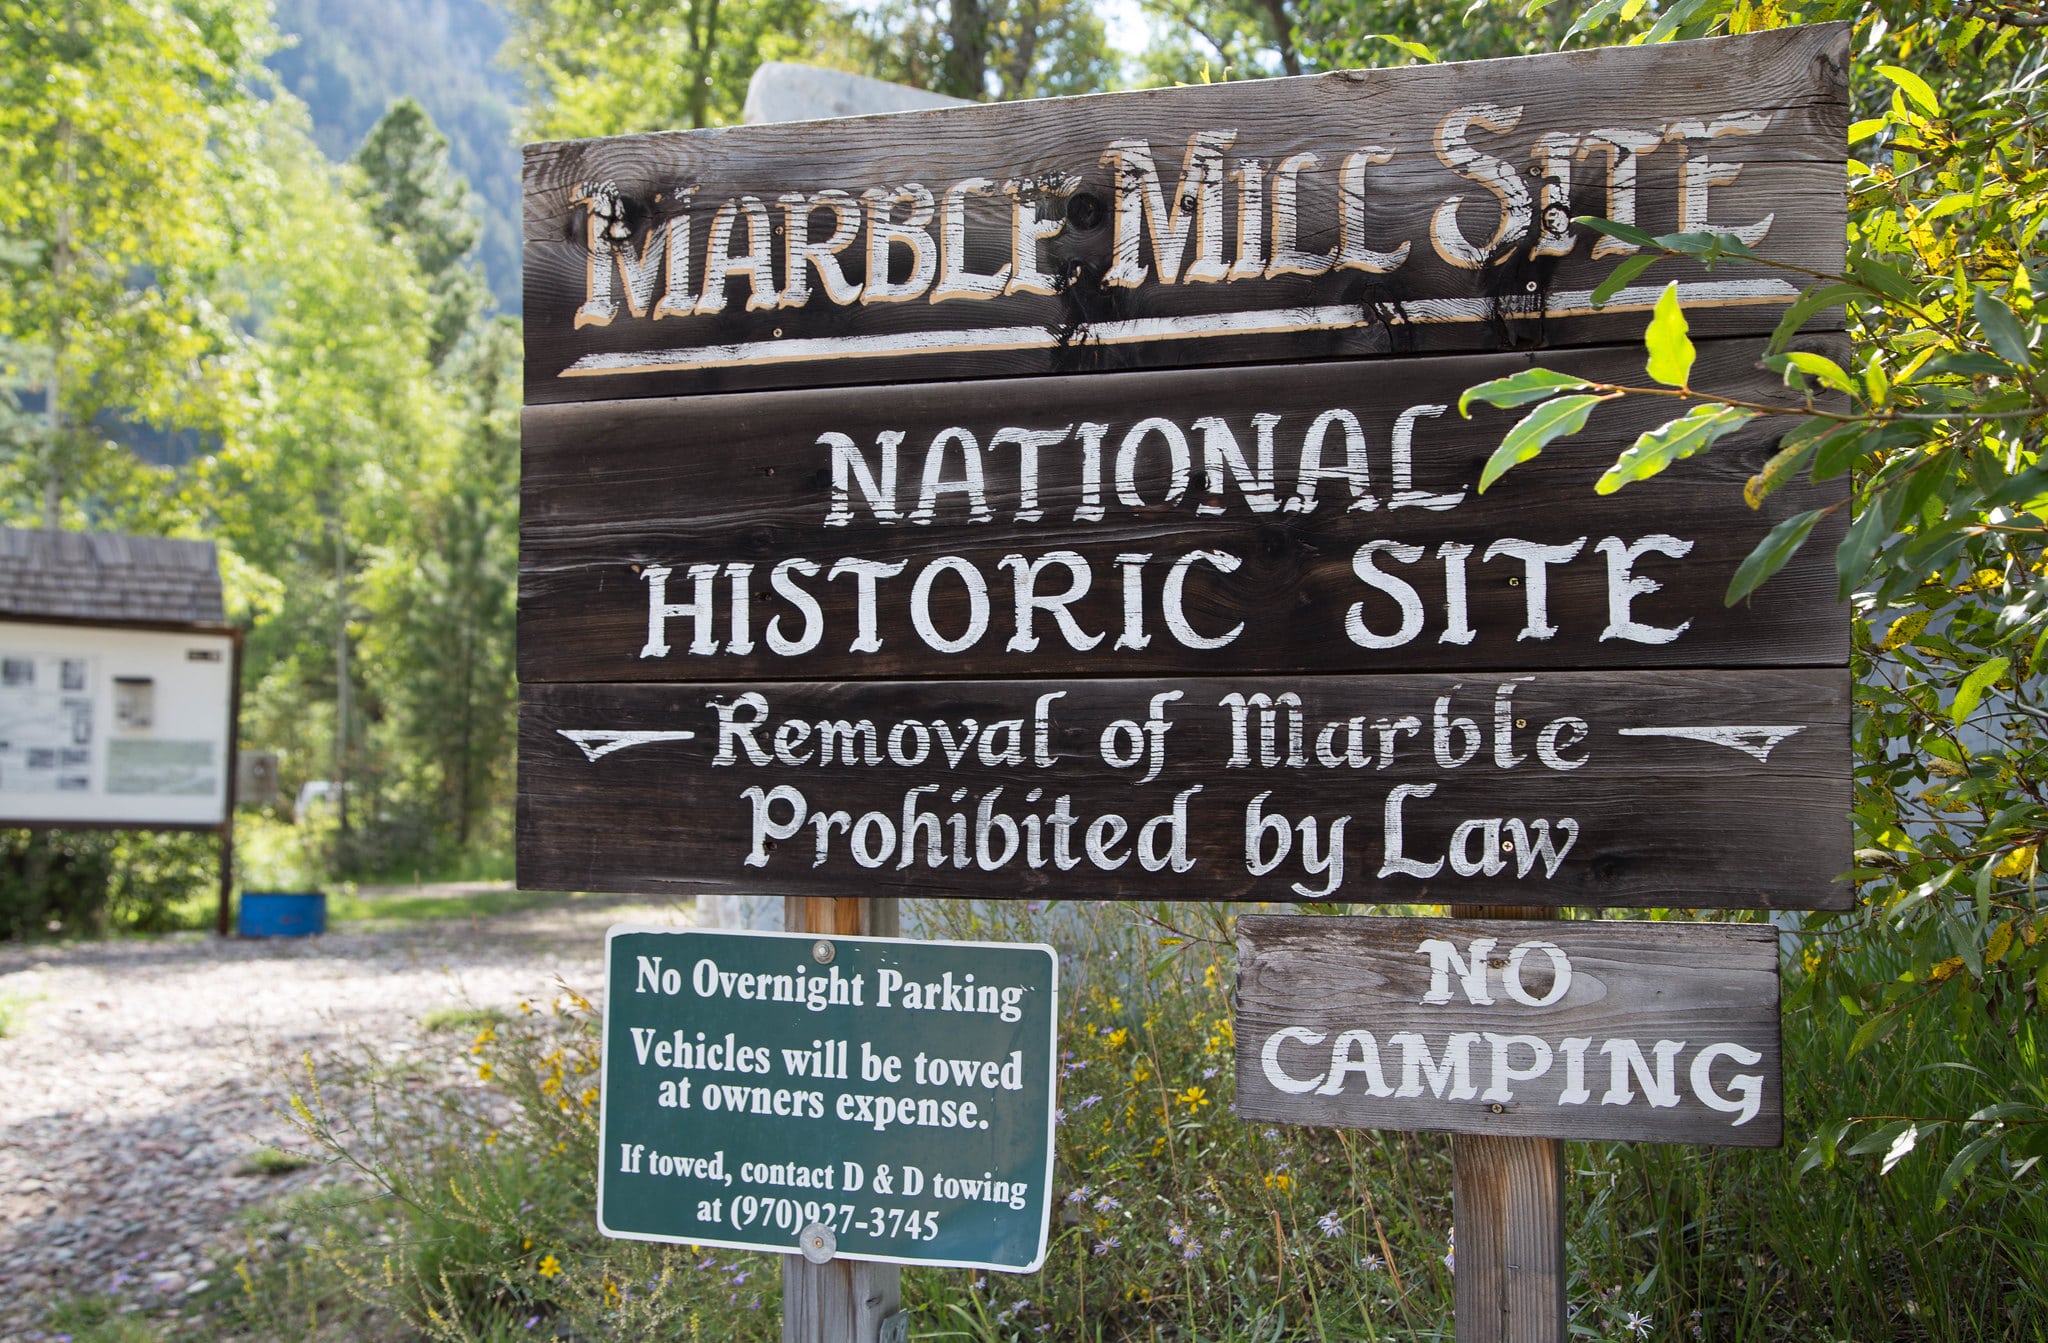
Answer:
(75, 882)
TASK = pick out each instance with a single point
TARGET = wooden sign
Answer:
(1357, 213)
(1646, 1032)
(1692, 788)
(1318, 517)
(1213, 633)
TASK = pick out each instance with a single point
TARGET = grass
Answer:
(464, 1019)
(99, 1319)
(274, 1161)
(13, 1011)
(349, 906)
(1173, 1220)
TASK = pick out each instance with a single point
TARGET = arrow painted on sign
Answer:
(595, 742)
(1755, 741)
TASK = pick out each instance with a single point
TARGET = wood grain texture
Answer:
(1659, 819)
(1507, 1208)
(1700, 985)
(1509, 297)
(843, 1300)
(610, 489)
(1507, 1216)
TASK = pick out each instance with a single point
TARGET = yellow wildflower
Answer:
(1212, 976)
(549, 1266)
(1280, 1180)
(485, 1072)
(1117, 1037)
(1194, 1098)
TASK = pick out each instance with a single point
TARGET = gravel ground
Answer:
(142, 1074)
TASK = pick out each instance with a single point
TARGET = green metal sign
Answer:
(869, 1097)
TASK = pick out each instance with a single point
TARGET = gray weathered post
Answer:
(840, 1300)
(1507, 1219)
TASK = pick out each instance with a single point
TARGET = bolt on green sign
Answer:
(871, 1097)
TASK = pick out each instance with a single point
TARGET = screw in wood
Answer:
(822, 952)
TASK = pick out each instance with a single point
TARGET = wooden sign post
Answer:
(1068, 498)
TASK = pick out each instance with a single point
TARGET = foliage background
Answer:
(330, 392)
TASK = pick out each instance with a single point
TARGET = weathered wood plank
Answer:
(1507, 1207)
(1650, 1032)
(616, 493)
(1700, 788)
(1507, 1213)
(1457, 181)
(842, 1300)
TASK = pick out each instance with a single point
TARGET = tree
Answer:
(1005, 50)
(420, 202)
(612, 67)
(120, 122)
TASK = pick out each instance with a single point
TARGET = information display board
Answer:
(110, 726)
(895, 1096)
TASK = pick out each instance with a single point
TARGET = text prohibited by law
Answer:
(891, 1098)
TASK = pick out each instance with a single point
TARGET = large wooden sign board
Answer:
(846, 639)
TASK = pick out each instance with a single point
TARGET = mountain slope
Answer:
(350, 58)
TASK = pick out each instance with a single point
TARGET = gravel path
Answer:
(142, 1074)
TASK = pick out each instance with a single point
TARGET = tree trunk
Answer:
(965, 74)
(60, 270)
(1016, 76)
(1283, 36)
(341, 695)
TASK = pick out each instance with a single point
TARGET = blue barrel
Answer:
(282, 913)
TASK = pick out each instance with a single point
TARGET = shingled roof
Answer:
(108, 576)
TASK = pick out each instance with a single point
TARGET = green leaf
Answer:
(1693, 432)
(1809, 305)
(1598, 13)
(1671, 350)
(2001, 329)
(1627, 233)
(1839, 450)
(1852, 558)
(1519, 389)
(1621, 275)
(1914, 87)
(1551, 420)
(1963, 366)
(1971, 692)
(1820, 366)
(1875, 275)
(1902, 1146)
(1793, 451)
(1415, 49)
(1709, 246)
(2022, 489)
(1964, 1162)
(1771, 553)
